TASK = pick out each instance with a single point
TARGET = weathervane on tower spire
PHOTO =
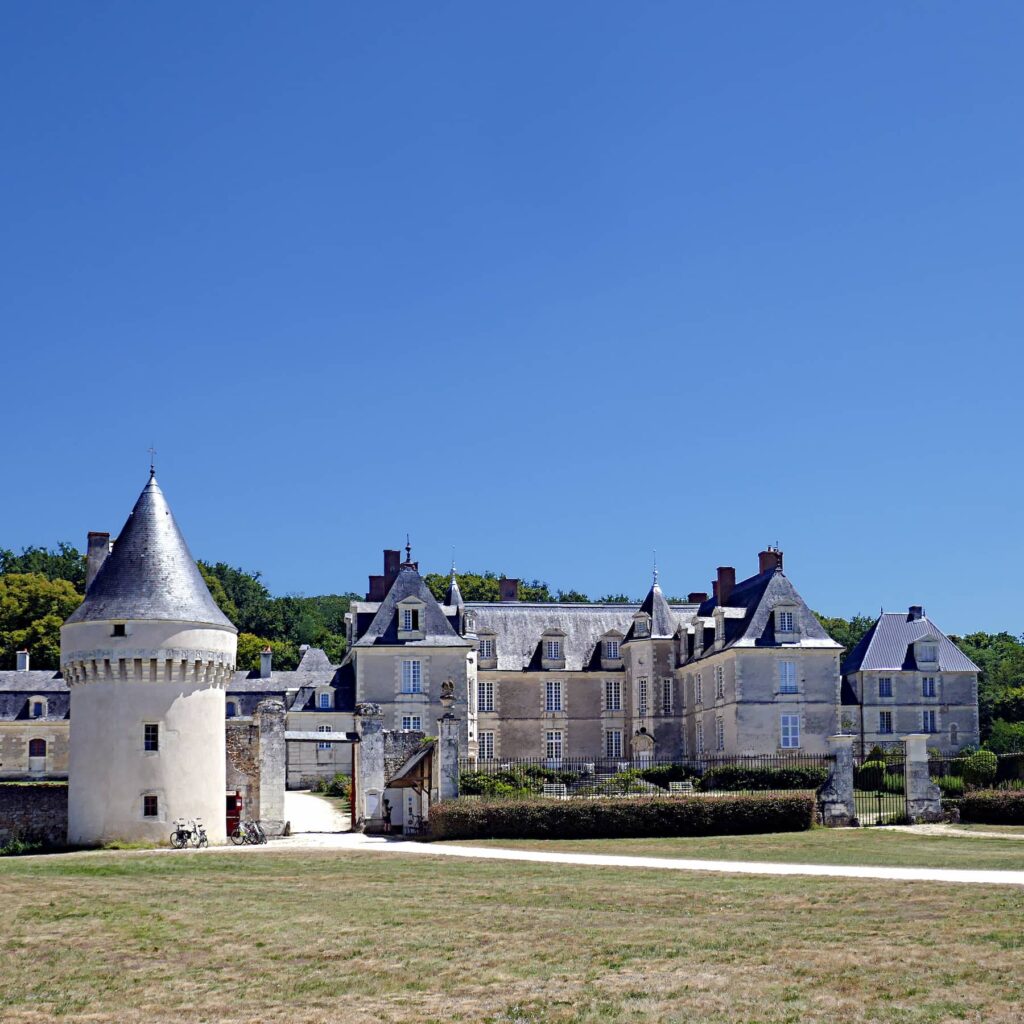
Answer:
(655, 553)
(152, 461)
(408, 550)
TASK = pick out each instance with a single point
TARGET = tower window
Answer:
(150, 737)
(150, 806)
(121, 630)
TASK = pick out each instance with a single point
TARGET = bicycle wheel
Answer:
(177, 839)
(237, 836)
(202, 841)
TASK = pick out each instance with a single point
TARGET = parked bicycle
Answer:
(189, 832)
(248, 832)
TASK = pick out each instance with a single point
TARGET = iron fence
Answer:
(880, 783)
(583, 777)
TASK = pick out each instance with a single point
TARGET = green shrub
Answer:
(339, 785)
(618, 819)
(503, 784)
(870, 775)
(893, 782)
(17, 846)
(663, 774)
(949, 785)
(980, 768)
(993, 807)
(731, 777)
(1005, 737)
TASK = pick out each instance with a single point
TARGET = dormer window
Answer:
(487, 649)
(553, 650)
(785, 622)
(324, 701)
(720, 628)
(928, 653)
(611, 649)
(37, 707)
(410, 619)
(641, 626)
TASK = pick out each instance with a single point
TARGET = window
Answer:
(666, 696)
(323, 744)
(485, 747)
(885, 687)
(611, 650)
(37, 748)
(790, 730)
(719, 734)
(785, 622)
(698, 689)
(413, 723)
(324, 700)
(700, 737)
(927, 652)
(885, 722)
(787, 677)
(410, 620)
(485, 696)
(486, 650)
(640, 627)
(954, 735)
(38, 709)
(928, 686)
(612, 695)
(119, 629)
(412, 677)
(928, 720)
(642, 696)
(720, 628)
(552, 696)
(232, 709)
(150, 736)
(613, 743)
(553, 650)
(719, 682)
(553, 745)
(150, 806)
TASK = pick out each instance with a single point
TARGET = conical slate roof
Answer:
(150, 574)
(663, 622)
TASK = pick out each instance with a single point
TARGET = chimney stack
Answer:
(380, 585)
(97, 549)
(508, 590)
(726, 581)
(22, 661)
(916, 612)
(769, 559)
(266, 658)
(697, 597)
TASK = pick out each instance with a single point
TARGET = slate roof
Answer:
(518, 628)
(757, 598)
(889, 644)
(313, 672)
(437, 630)
(664, 622)
(150, 574)
(16, 688)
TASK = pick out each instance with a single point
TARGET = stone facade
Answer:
(34, 812)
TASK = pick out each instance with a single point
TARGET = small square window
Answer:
(121, 630)
(151, 737)
(150, 806)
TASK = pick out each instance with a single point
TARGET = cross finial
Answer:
(408, 549)
(655, 568)
(152, 461)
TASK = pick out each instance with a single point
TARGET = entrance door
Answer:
(37, 755)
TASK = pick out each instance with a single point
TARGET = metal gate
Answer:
(880, 783)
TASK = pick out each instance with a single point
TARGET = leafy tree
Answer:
(1009, 705)
(285, 655)
(64, 563)
(847, 632)
(32, 609)
(616, 599)
(1005, 737)
(1000, 658)
(571, 597)
(218, 593)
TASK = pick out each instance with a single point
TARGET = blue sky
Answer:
(554, 284)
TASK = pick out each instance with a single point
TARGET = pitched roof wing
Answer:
(889, 644)
(437, 630)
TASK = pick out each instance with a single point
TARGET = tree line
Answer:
(40, 587)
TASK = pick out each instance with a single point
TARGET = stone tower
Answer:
(146, 657)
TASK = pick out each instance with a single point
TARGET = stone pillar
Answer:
(924, 798)
(837, 804)
(448, 757)
(273, 762)
(368, 778)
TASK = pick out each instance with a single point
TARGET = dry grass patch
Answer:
(360, 937)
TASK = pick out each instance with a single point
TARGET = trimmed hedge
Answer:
(993, 806)
(621, 819)
(739, 777)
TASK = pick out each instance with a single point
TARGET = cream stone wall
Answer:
(306, 761)
(14, 741)
(169, 674)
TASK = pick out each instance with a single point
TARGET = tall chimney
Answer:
(769, 559)
(22, 661)
(726, 581)
(266, 657)
(97, 549)
(508, 590)
(915, 612)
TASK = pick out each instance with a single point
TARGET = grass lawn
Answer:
(360, 937)
(864, 846)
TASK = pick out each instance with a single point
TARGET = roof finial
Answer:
(655, 568)
(152, 461)
(408, 550)
(453, 563)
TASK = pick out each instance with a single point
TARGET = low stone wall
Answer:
(36, 812)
